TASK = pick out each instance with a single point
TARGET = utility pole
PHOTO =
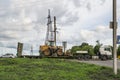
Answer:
(31, 50)
(114, 24)
(55, 30)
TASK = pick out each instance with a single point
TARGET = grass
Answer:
(52, 69)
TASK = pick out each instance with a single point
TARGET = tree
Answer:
(118, 51)
(74, 49)
(84, 44)
(97, 47)
(91, 50)
(83, 47)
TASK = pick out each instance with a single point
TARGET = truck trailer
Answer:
(105, 53)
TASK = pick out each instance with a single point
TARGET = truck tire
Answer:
(86, 57)
(59, 52)
(80, 57)
(103, 57)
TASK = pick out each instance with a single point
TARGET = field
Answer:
(52, 69)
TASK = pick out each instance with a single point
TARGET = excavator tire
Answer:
(46, 52)
(59, 52)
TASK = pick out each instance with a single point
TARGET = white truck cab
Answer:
(105, 52)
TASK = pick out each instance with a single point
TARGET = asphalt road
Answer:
(108, 63)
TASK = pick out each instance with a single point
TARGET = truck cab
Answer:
(105, 52)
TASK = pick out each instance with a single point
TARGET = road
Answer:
(108, 63)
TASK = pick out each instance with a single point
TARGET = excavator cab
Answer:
(51, 43)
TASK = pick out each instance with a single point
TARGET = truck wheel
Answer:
(80, 57)
(86, 57)
(104, 58)
(59, 52)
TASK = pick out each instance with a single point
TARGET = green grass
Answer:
(52, 69)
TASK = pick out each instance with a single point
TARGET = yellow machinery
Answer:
(50, 48)
(54, 51)
(45, 50)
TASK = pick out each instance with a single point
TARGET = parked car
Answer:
(8, 55)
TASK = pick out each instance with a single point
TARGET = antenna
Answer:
(32, 50)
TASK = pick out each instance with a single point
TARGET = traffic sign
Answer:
(118, 39)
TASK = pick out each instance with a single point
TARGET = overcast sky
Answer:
(77, 21)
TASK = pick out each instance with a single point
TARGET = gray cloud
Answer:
(25, 21)
(1, 44)
(88, 6)
(87, 3)
(77, 3)
(102, 2)
(5, 37)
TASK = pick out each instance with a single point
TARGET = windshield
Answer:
(107, 49)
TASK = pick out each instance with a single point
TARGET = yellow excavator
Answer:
(50, 49)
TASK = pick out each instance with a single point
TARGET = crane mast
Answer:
(50, 32)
